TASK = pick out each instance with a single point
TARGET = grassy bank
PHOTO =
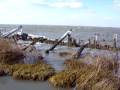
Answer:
(28, 71)
(84, 76)
(77, 73)
(11, 63)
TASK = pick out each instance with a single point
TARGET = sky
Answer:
(104, 13)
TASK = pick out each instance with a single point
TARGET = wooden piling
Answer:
(95, 40)
(89, 45)
(69, 43)
(115, 41)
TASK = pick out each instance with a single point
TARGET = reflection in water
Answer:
(7, 83)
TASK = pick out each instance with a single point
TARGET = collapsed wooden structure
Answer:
(71, 42)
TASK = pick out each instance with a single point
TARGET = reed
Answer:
(64, 79)
(87, 76)
(101, 71)
(28, 71)
(67, 78)
(106, 84)
(33, 72)
(9, 52)
(73, 64)
(63, 54)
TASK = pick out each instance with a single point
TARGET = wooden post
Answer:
(75, 42)
(79, 52)
(115, 47)
(95, 40)
(89, 42)
(115, 40)
(79, 42)
(69, 40)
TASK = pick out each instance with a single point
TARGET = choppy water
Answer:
(79, 32)
(53, 32)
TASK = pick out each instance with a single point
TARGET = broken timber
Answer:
(68, 33)
(79, 52)
(71, 41)
(75, 44)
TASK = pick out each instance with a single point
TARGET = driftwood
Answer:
(8, 34)
(68, 33)
(79, 52)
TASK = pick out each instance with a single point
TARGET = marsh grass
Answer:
(39, 71)
(11, 62)
(64, 79)
(63, 54)
(33, 72)
(9, 52)
(97, 76)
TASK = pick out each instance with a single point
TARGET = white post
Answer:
(96, 37)
(95, 40)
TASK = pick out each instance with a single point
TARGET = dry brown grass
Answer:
(87, 80)
(67, 78)
(9, 52)
(39, 71)
(106, 64)
(102, 70)
(63, 54)
(106, 84)
(87, 76)
(5, 44)
(75, 64)
(64, 79)
(33, 72)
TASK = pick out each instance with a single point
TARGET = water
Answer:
(79, 32)
(53, 32)
(7, 83)
(53, 58)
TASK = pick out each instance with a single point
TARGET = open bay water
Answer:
(54, 32)
(79, 32)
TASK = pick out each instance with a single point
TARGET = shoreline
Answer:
(70, 77)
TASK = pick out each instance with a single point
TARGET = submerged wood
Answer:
(58, 42)
(75, 44)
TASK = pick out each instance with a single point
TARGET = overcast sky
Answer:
(61, 12)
